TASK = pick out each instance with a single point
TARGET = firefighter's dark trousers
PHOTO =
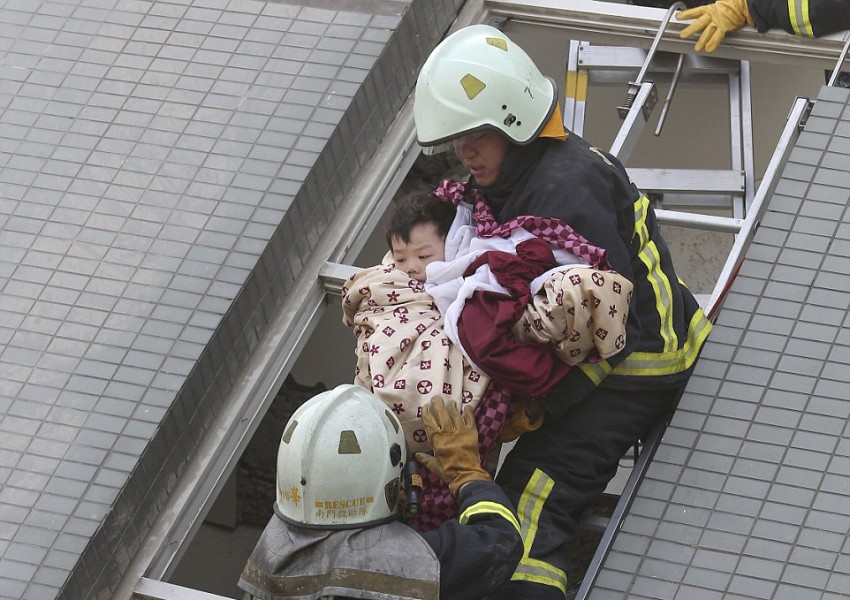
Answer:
(554, 473)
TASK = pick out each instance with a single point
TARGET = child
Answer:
(417, 232)
(416, 236)
(436, 243)
(435, 240)
(405, 353)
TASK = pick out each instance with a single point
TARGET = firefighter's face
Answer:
(482, 154)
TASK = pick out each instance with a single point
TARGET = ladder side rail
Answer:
(575, 92)
(741, 135)
(629, 25)
(836, 71)
(759, 205)
(736, 138)
(746, 102)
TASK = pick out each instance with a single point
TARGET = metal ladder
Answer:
(732, 188)
(748, 204)
(796, 119)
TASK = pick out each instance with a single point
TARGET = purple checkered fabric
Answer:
(491, 414)
(437, 503)
(549, 229)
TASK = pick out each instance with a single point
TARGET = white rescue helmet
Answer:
(478, 79)
(340, 461)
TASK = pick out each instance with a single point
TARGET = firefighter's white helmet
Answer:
(478, 79)
(340, 461)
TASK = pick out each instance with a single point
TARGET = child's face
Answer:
(425, 246)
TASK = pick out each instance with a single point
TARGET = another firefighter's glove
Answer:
(455, 440)
(715, 21)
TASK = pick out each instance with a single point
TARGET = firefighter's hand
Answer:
(714, 21)
(455, 441)
(528, 416)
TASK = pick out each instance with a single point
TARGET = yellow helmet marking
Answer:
(498, 42)
(472, 85)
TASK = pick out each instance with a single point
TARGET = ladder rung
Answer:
(699, 221)
(703, 181)
(618, 58)
(596, 523)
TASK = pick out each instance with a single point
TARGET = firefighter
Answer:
(809, 18)
(481, 94)
(336, 532)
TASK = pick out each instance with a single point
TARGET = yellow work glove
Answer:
(455, 441)
(715, 21)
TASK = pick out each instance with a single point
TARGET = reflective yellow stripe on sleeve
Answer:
(491, 508)
(798, 14)
(531, 503)
(657, 278)
(671, 359)
(596, 372)
(667, 363)
(656, 363)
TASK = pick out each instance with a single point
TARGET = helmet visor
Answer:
(457, 143)
(436, 149)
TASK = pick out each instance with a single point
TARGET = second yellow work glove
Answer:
(714, 21)
(528, 416)
(455, 441)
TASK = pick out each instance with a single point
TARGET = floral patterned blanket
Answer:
(405, 357)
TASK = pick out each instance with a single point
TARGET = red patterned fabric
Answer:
(488, 318)
(491, 414)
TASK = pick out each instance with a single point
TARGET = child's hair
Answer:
(416, 208)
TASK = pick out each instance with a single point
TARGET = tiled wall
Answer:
(165, 169)
(747, 495)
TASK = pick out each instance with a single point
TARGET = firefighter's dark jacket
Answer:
(811, 18)
(467, 558)
(590, 190)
